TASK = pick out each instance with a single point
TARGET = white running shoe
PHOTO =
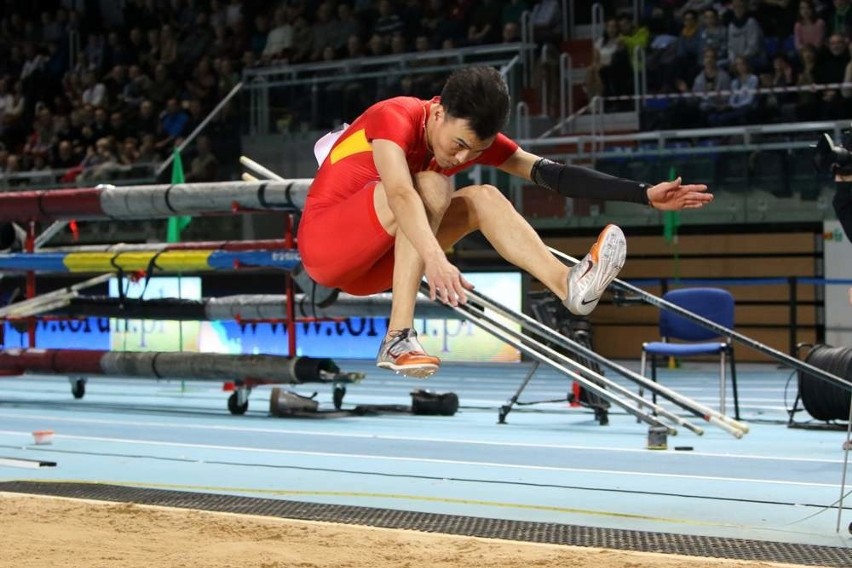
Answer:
(590, 277)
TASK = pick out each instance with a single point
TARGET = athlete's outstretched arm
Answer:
(577, 181)
(406, 204)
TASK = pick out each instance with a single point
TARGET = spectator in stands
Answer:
(204, 165)
(742, 102)
(809, 28)
(100, 162)
(839, 19)
(163, 87)
(100, 125)
(52, 28)
(484, 23)
(662, 52)
(778, 104)
(150, 57)
(228, 77)
(137, 87)
(609, 73)
(445, 21)
(118, 126)
(347, 26)
(388, 23)
(137, 44)
(128, 153)
(511, 33)
(142, 13)
(632, 36)
(411, 14)
(41, 139)
(146, 122)
(93, 53)
(846, 92)
(745, 38)
(173, 120)
(116, 52)
(223, 44)
(12, 171)
(279, 41)
(807, 106)
(6, 101)
(776, 17)
(546, 21)
(355, 48)
(94, 92)
(260, 35)
(709, 87)
(688, 46)
(425, 84)
(364, 10)
(169, 46)
(713, 35)
(86, 140)
(249, 60)
(376, 46)
(62, 129)
(697, 6)
(202, 83)
(64, 156)
(115, 82)
(323, 30)
(195, 116)
(33, 63)
(512, 11)
(39, 163)
(195, 43)
(234, 13)
(831, 68)
(303, 40)
(147, 149)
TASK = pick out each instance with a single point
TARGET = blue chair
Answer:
(714, 304)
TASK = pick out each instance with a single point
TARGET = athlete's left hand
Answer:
(673, 195)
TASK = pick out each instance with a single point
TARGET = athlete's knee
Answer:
(435, 190)
(486, 198)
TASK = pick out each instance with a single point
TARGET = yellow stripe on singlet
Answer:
(354, 143)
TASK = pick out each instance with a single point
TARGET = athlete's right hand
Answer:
(446, 282)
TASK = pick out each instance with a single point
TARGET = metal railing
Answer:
(142, 172)
(301, 87)
(597, 145)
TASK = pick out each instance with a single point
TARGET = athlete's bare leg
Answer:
(435, 190)
(484, 208)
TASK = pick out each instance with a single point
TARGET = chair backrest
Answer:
(714, 304)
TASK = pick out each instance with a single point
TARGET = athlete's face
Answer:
(454, 142)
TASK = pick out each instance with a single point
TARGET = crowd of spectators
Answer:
(96, 90)
(730, 62)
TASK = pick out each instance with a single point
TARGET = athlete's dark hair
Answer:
(480, 96)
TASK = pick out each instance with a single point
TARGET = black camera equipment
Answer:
(832, 159)
(837, 160)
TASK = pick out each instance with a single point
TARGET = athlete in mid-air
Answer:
(381, 210)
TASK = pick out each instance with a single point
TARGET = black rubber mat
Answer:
(549, 533)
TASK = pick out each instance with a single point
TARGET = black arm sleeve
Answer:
(576, 181)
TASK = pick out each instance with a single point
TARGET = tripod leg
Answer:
(579, 329)
(507, 408)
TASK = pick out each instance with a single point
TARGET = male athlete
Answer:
(381, 210)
